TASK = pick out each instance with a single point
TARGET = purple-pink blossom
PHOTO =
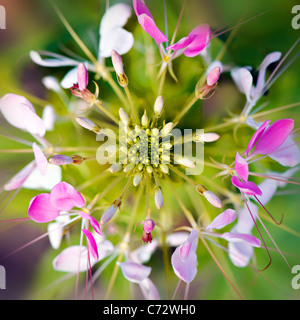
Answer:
(46, 207)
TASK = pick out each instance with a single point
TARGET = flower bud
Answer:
(158, 106)
(137, 179)
(82, 76)
(145, 120)
(115, 167)
(61, 160)
(110, 212)
(118, 66)
(167, 128)
(210, 196)
(185, 162)
(206, 137)
(124, 116)
(158, 198)
(77, 159)
(87, 124)
(117, 62)
(213, 76)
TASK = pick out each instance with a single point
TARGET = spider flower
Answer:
(190, 46)
(112, 37)
(265, 141)
(38, 174)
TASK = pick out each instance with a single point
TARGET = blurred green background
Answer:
(34, 25)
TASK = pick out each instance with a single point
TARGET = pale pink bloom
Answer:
(134, 272)
(75, 258)
(244, 80)
(20, 113)
(221, 221)
(112, 37)
(184, 259)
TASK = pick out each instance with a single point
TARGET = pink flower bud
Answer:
(117, 62)
(61, 160)
(82, 76)
(213, 76)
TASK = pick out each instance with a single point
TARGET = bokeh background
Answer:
(34, 25)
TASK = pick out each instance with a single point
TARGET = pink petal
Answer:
(184, 261)
(41, 210)
(182, 43)
(92, 245)
(134, 272)
(140, 7)
(274, 136)
(246, 187)
(241, 166)
(256, 136)
(18, 180)
(201, 39)
(94, 222)
(40, 159)
(65, 197)
(222, 220)
(150, 27)
(237, 237)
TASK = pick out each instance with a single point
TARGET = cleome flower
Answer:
(126, 183)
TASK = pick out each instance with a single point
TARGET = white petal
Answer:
(37, 181)
(116, 39)
(243, 79)
(49, 117)
(56, 229)
(19, 112)
(177, 238)
(115, 16)
(134, 272)
(143, 253)
(73, 259)
(149, 290)
(55, 60)
(51, 83)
